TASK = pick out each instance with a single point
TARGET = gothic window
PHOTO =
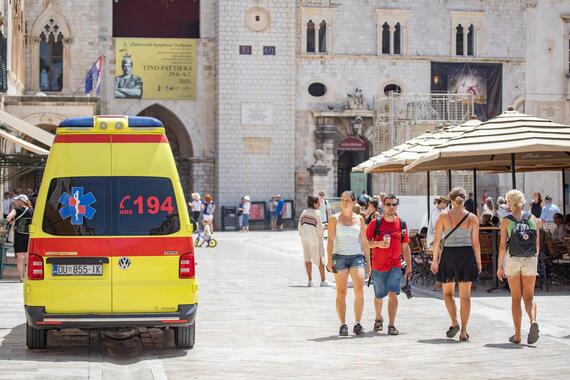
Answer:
(310, 36)
(471, 40)
(51, 58)
(459, 40)
(323, 37)
(397, 39)
(385, 38)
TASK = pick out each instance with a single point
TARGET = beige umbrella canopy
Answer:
(499, 144)
(395, 159)
(362, 166)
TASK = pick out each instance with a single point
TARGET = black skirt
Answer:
(458, 264)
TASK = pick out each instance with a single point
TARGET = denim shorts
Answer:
(245, 220)
(342, 262)
(385, 282)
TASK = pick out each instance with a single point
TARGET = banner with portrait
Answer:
(482, 80)
(155, 68)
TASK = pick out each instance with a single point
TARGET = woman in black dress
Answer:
(536, 205)
(20, 217)
(457, 232)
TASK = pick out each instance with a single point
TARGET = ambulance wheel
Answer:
(185, 336)
(212, 243)
(35, 338)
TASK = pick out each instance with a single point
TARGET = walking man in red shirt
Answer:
(388, 242)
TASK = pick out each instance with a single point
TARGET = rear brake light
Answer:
(186, 266)
(35, 267)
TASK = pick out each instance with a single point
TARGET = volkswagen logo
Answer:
(124, 263)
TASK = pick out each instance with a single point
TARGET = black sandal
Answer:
(514, 341)
(464, 338)
(453, 330)
(393, 331)
(379, 324)
(533, 333)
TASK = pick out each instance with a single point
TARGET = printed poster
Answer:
(155, 68)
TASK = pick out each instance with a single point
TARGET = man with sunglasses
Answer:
(388, 243)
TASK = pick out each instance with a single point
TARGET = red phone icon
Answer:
(122, 203)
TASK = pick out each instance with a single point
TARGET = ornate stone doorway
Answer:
(179, 140)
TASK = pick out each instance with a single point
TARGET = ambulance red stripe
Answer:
(119, 246)
(107, 138)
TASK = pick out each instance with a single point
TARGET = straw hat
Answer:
(444, 198)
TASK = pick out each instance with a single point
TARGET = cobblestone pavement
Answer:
(257, 319)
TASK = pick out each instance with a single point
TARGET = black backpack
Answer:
(403, 227)
(522, 242)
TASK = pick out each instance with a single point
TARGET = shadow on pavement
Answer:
(331, 338)
(439, 341)
(508, 346)
(95, 346)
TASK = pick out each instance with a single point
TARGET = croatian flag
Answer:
(93, 78)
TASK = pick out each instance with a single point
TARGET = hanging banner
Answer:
(155, 68)
(482, 80)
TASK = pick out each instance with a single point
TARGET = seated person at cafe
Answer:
(486, 220)
(560, 231)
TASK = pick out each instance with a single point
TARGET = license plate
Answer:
(77, 270)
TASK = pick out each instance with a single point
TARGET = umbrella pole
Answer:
(475, 185)
(563, 191)
(513, 171)
(428, 202)
(449, 180)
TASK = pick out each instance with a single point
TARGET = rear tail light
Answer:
(186, 266)
(35, 267)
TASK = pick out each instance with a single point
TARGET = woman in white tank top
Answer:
(347, 248)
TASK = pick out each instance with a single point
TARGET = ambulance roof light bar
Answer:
(133, 122)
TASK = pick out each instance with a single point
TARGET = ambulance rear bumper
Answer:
(37, 317)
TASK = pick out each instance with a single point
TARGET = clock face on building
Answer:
(257, 19)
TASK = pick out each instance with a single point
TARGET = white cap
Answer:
(22, 197)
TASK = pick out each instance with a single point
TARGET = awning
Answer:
(24, 144)
(26, 128)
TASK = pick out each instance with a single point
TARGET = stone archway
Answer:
(179, 140)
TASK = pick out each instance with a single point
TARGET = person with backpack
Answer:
(388, 237)
(459, 262)
(20, 218)
(518, 251)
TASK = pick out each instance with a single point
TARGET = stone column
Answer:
(319, 174)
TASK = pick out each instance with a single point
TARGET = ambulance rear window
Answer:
(145, 206)
(110, 206)
(75, 207)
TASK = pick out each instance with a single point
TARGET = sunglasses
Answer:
(391, 204)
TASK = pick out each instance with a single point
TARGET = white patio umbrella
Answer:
(395, 159)
(511, 141)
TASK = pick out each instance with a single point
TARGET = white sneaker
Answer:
(325, 284)
(310, 284)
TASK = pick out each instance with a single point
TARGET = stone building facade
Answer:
(272, 112)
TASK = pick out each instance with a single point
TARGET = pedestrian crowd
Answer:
(368, 242)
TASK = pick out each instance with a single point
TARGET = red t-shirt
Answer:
(384, 259)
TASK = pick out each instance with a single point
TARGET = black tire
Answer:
(35, 338)
(185, 336)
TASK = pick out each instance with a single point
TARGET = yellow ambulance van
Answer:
(111, 240)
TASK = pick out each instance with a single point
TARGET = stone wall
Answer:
(255, 158)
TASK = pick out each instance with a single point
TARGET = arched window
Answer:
(310, 36)
(392, 87)
(471, 40)
(51, 58)
(459, 40)
(323, 37)
(397, 39)
(385, 38)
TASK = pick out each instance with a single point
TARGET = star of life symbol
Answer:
(77, 205)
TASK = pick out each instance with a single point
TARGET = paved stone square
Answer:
(257, 319)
